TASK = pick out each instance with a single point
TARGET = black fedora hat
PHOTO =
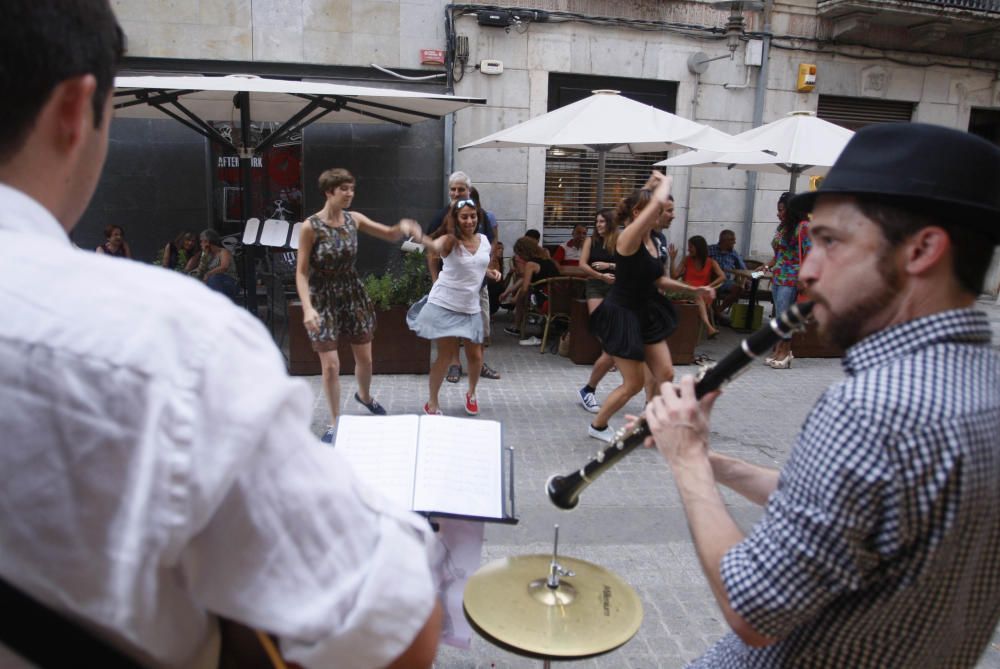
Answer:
(922, 165)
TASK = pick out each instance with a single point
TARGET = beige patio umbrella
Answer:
(605, 122)
(799, 143)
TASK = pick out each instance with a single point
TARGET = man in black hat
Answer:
(880, 541)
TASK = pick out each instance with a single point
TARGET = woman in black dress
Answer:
(635, 318)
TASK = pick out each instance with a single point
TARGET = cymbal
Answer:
(589, 613)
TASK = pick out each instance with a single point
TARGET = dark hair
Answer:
(972, 249)
(610, 237)
(50, 41)
(534, 234)
(332, 178)
(527, 248)
(700, 248)
(110, 228)
(449, 226)
(638, 198)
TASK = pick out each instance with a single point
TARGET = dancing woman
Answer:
(334, 301)
(452, 310)
(635, 319)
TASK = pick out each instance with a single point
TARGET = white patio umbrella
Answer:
(797, 144)
(197, 100)
(605, 122)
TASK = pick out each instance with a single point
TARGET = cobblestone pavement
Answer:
(630, 520)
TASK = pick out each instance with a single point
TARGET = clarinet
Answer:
(564, 491)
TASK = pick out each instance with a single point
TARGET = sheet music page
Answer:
(383, 452)
(459, 468)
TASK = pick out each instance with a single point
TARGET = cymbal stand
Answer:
(555, 569)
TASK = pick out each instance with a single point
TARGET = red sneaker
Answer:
(471, 405)
(427, 410)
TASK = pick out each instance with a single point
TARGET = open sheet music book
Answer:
(430, 464)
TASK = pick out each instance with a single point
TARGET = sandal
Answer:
(454, 373)
(488, 372)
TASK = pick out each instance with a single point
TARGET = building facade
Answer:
(732, 64)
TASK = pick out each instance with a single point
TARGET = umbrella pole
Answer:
(794, 176)
(246, 180)
(602, 157)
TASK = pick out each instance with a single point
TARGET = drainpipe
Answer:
(758, 120)
(687, 196)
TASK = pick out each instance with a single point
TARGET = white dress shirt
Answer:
(159, 470)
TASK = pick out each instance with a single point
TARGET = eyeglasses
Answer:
(466, 203)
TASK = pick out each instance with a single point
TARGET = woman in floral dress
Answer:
(334, 301)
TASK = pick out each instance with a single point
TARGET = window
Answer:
(571, 175)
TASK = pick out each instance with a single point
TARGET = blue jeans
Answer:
(784, 297)
(223, 283)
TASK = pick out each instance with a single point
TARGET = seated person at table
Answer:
(697, 269)
(734, 287)
(536, 268)
(567, 255)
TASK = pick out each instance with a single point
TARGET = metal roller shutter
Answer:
(855, 113)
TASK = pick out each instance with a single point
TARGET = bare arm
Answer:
(665, 283)
(420, 654)
(310, 317)
(530, 269)
(440, 247)
(631, 237)
(718, 276)
(406, 227)
(680, 425)
(754, 482)
(678, 271)
(225, 258)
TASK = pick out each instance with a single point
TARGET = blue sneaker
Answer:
(331, 432)
(372, 406)
(588, 401)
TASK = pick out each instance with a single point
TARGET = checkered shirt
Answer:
(881, 545)
(728, 260)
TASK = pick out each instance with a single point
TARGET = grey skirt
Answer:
(431, 321)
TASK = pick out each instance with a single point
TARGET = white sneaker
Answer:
(588, 401)
(607, 435)
(530, 341)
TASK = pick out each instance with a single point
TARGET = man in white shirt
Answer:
(159, 468)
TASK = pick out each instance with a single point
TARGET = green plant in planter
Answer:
(404, 281)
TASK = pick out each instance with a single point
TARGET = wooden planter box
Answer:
(685, 338)
(395, 350)
(584, 349)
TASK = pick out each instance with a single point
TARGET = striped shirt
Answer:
(881, 545)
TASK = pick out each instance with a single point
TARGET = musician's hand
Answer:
(679, 422)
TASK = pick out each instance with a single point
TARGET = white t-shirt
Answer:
(457, 286)
(159, 469)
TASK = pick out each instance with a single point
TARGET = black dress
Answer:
(634, 313)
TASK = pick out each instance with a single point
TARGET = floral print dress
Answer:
(335, 288)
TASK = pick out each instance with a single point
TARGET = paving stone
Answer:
(629, 520)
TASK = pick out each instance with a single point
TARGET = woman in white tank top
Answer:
(452, 309)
